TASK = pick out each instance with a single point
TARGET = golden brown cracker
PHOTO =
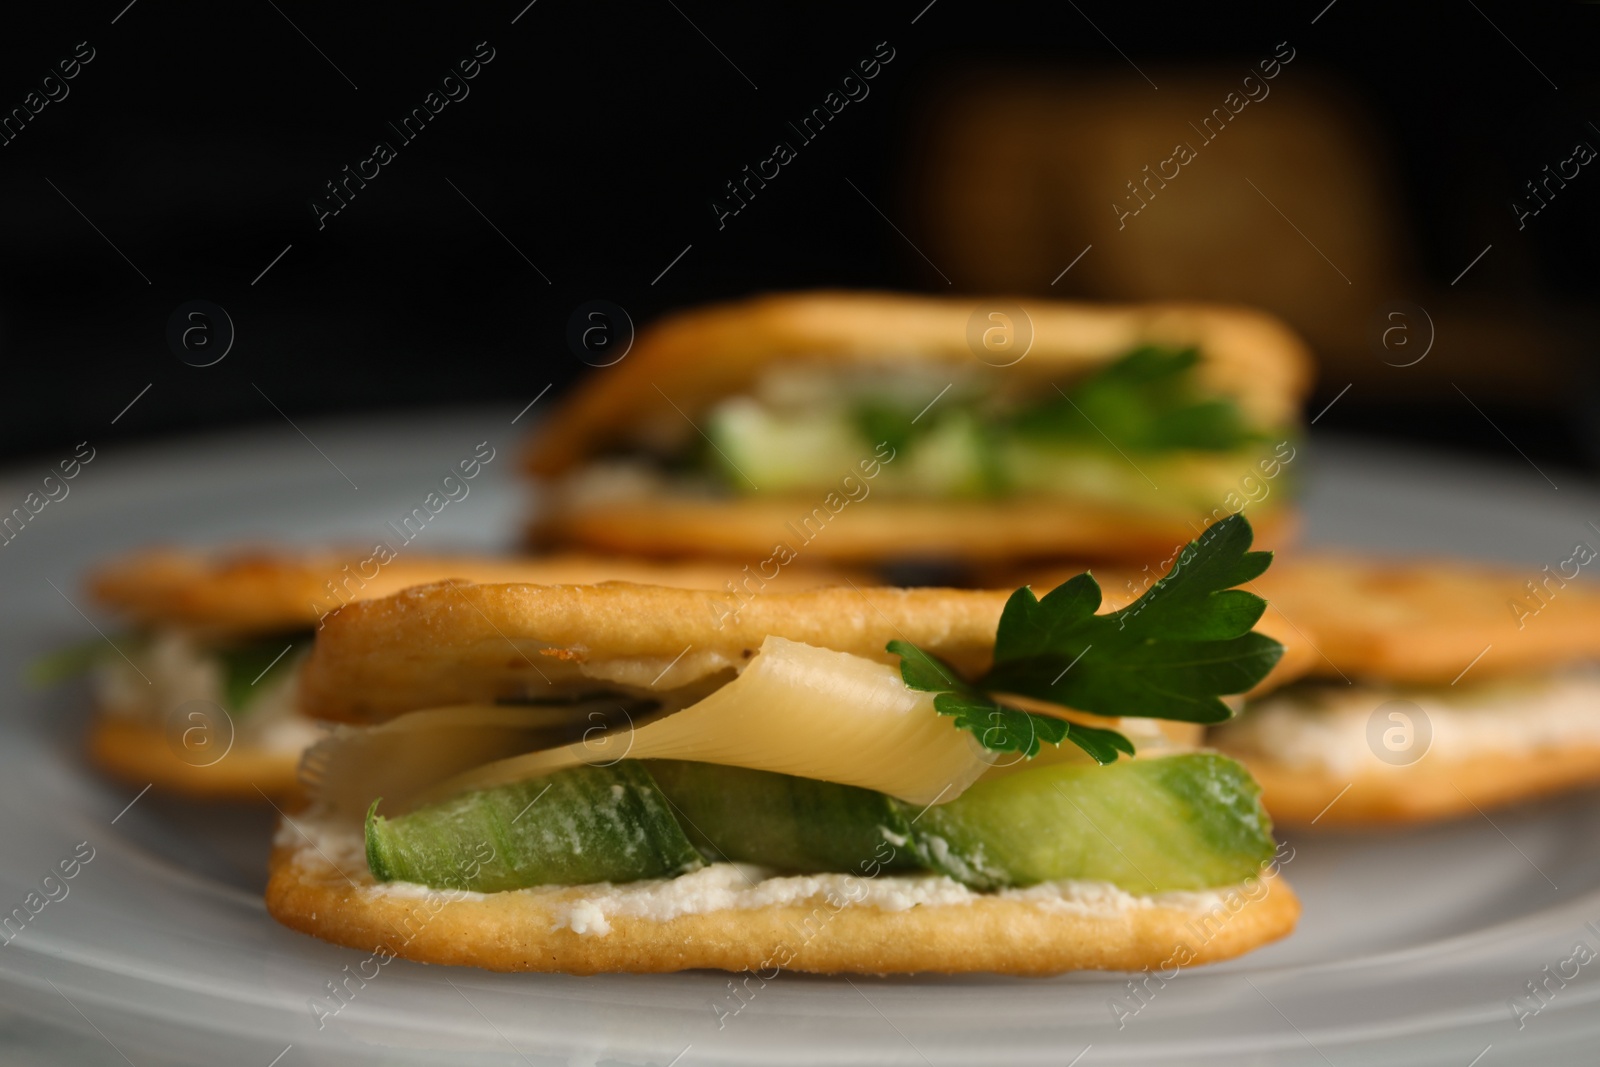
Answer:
(1427, 620)
(447, 644)
(699, 356)
(518, 930)
(986, 532)
(1423, 622)
(140, 755)
(263, 590)
(1428, 790)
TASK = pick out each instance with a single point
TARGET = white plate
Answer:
(1412, 947)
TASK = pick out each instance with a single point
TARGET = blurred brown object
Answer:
(1285, 202)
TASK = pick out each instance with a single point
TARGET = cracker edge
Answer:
(1422, 792)
(137, 754)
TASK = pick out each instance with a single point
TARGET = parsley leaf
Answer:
(878, 420)
(1171, 654)
(998, 727)
(1147, 401)
(69, 662)
(246, 663)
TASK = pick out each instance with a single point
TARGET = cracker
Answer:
(140, 755)
(264, 590)
(992, 531)
(1426, 791)
(1426, 620)
(702, 355)
(452, 643)
(521, 930)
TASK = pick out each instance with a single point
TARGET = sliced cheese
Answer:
(794, 709)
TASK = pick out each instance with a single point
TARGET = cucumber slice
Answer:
(778, 820)
(954, 457)
(1191, 821)
(757, 446)
(587, 824)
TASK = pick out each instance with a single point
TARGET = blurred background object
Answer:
(1235, 185)
(593, 152)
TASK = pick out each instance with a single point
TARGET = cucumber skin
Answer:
(574, 827)
(792, 824)
(1185, 822)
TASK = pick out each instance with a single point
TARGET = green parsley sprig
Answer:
(245, 663)
(1171, 654)
(1150, 400)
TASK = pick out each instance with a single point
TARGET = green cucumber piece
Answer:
(574, 827)
(793, 824)
(954, 457)
(1191, 821)
(755, 446)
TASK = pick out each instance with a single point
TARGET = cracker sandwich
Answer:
(979, 431)
(865, 780)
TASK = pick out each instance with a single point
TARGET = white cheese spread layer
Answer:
(172, 669)
(1336, 727)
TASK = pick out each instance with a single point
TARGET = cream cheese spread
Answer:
(1327, 726)
(172, 669)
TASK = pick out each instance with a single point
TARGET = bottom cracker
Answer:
(1426, 791)
(139, 754)
(665, 526)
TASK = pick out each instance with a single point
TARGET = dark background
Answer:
(595, 140)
